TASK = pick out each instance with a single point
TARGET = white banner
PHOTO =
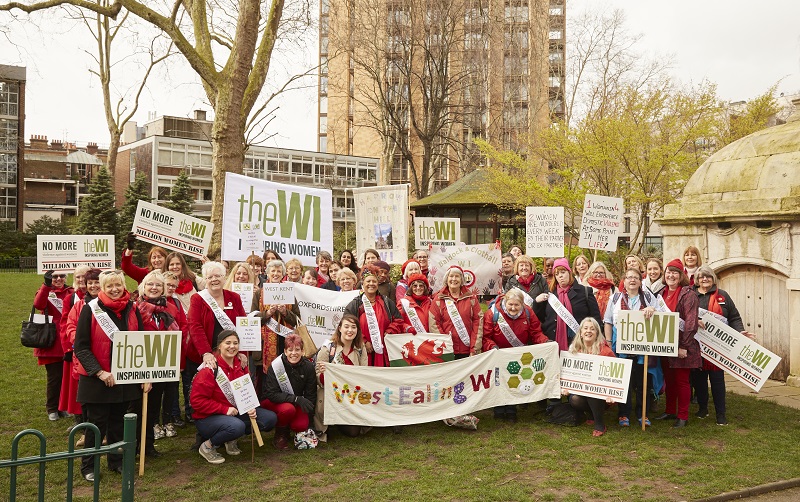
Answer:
(64, 253)
(249, 331)
(321, 310)
(436, 232)
(281, 293)
(146, 356)
(382, 221)
(600, 377)
(363, 395)
(481, 264)
(600, 224)
(657, 336)
(544, 231)
(295, 221)
(245, 291)
(423, 348)
(172, 230)
(244, 393)
(746, 360)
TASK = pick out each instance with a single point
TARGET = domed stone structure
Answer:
(741, 208)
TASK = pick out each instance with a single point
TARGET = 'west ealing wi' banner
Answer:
(481, 264)
(746, 360)
(321, 310)
(363, 395)
(64, 253)
(294, 221)
(600, 377)
(382, 221)
(172, 230)
(420, 349)
(146, 356)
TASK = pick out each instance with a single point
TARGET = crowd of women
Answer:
(289, 371)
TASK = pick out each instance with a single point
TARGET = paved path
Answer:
(791, 495)
(778, 392)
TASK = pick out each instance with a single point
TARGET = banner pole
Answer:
(142, 447)
(256, 432)
(645, 397)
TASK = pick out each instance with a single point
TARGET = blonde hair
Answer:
(578, 347)
(524, 259)
(80, 270)
(154, 275)
(251, 276)
(109, 275)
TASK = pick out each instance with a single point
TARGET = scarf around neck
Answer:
(118, 305)
(561, 326)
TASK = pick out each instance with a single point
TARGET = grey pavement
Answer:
(778, 392)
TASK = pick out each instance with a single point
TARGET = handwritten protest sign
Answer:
(64, 253)
(171, 229)
(655, 336)
(249, 331)
(600, 377)
(146, 356)
(600, 223)
(382, 221)
(544, 231)
(436, 232)
(743, 358)
(281, 293)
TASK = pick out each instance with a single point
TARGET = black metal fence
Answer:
(23, 264)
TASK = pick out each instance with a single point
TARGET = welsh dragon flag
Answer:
(419, 349)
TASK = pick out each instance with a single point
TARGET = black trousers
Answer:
(109, 418)
(54, 373)
(595, 406)
(700, 380)
(635, 388)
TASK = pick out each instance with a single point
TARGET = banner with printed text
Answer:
(64, 253)
(544, 231)
(146, 356)
(380, 397)
(382, 221)
(436, 232)
(172, 230)
(600, 223)
(743, 358)
(419, 349)
(481, 264)
(321, 310)
(599, 377)
(295, 221)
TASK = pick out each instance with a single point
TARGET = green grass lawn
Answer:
(530, 460)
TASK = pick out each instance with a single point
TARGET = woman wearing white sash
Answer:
(457, 311)
(243, 273)
(50, 300)
(578, 301)
(377, 316)
(409, 268)
(346, 347)
(415, 305)
(104, 401)
(217, 420)
(290, 388)
(277, 320)
(530, 282)
(510, 323)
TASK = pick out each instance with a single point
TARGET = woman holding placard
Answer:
(156, 260)
(590, 342)
(244, 274)
(278, 321)
(529, 282)
(679, 297)
(217, 420)
(717, 302)
(104, 401)
(290, 388)
(578, 302)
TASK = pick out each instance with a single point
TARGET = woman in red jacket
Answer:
(415, 305)
(69, 386)
(104, 401)
(217, 420)
(156, 260)
(457, 311)
(50, 300)
(510, 323)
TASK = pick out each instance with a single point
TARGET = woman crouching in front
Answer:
(215, 414)
(290, 388)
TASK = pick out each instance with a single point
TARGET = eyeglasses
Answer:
(705, 278)
(632, 278)
(59, 276)
(215, 276)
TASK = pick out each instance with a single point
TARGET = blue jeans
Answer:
(223, 428)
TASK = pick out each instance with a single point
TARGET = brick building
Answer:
(12, 129)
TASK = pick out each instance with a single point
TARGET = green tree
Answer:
(181, 198)
(98, 215)
(136, 191)
(756, 114)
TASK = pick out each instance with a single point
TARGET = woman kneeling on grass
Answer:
(590, 342)
(215, 414)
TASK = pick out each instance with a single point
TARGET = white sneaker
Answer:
(210, 454)
(232, 448)
(169, 431)
(158, 432)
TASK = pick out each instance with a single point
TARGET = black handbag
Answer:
(37, 335)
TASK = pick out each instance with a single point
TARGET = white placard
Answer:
(382, 221)
(251, 242)
(544, 231)
(146, 356)
(172, 230)
(436, 232)
(64, 253)
(245, 291)
(296, 221)
(600, 224)
(249, 331)
(321, 310)
(480, 262)
(244, 394)
(746, 360)
(657, 336)
(281, 293)
(600, 377)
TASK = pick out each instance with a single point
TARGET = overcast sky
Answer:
(745, 46)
